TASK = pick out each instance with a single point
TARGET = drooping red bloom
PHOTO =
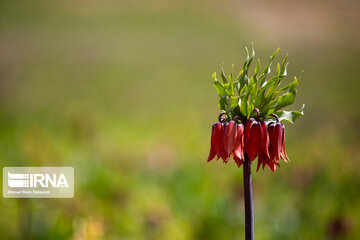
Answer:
(252, 137)
(212, 153)
(227, 139)
(283, 154)
(276, 147)
(265, 140)
(230, 131)
(238, 151)
(275, 140)
(217, 142)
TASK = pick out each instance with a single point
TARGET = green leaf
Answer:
(285, 100)
(229, 89)
(214, 76)
(253, 90)
(223, 76)
(238, 81)
(223, 104)
(291, 86)
(294, 85)
(243, 105)
(219, 88)
(242, 91)
(250, 59)
(243, 77)
(267, 69)
(274, 54)
(270, 94)
(268, 109)
(246, 78)
(250, 108)
(278, 70)
(284, 70)
(239, 75)
(250, 90)
(259, 97)
(247, 55)
(284, 65)
(257, 68)
(234, 102)
(289, 97)
(290, 116)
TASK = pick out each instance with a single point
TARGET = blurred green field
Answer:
(122, 91)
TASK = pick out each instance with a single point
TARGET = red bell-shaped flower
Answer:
(238, 152)
(265, 140)
(283, 154)
(230, 130)
(252, 139)
(217, 143)
(276, 147)
(275, 135)
(212, 153)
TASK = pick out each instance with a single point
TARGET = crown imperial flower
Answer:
(250, 124)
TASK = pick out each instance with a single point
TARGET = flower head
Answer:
(257, 139)
(250, 125)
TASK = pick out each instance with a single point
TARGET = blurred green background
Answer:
(122, 91)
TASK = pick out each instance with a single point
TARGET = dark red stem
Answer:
(249, 209)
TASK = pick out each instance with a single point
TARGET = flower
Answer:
(229, 137)
(252, 139)
(212, 153)
(256, 139)
(265, 141)
(217, 143)
(238, 152)
(276, 147)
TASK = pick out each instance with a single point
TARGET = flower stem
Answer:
(249, 209)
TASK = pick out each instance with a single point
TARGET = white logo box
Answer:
(38, 182)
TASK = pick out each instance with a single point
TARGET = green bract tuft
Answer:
(241, 94)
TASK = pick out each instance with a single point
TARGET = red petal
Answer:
(278, 134)
(273, 166)
(261, 160)
(212, 153)
(248, 126)
(283, 152)
(238, 161)
(264, 139)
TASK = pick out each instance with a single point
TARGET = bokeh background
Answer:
(122, 91)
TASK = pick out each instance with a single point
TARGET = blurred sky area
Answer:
(122, 92)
